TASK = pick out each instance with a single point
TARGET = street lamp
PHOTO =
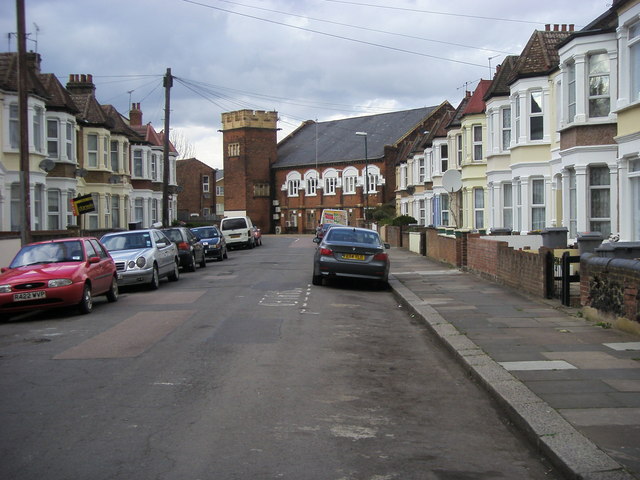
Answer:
(366, 174)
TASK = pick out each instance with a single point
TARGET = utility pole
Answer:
(168, 83)
(25, 198)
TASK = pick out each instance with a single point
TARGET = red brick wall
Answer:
(611, 285)
(494, 260)
(189, 173)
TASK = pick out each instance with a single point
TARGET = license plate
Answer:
(235, 235)
(21, 297)
(352, 256)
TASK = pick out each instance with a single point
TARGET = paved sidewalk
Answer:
(573, 387)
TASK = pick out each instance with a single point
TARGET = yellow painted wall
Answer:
(530, 154)
(629, 121)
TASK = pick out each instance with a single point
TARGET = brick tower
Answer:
(250, 148)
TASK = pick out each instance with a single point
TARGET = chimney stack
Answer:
(81, 84)
(135, 115)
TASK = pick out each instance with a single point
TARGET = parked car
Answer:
(213, 242)
(351, 252)
(143, 257)
(237, 232)
(58, 273)
(190, 248)
(257, 236)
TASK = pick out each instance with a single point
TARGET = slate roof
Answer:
(119, 124)
(499, 86)
(9, 73)
(476, 103)
(540, 55)
(59, 98)
(336, 141)
(456, 120)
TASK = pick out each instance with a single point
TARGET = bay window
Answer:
(137, 163)
(571, 92)
(506, 128)
(536, 115)
(537, 204)
(70, 142)
(92, 150)
(444, 209)
(444, 157)
(477, 143)
(53, 209)
(115, 154)
(507, 205)
(600, 200)
(38, 115)
(478, 208)
(53, 138)
(634, 57)
(14, 126)
(599, 100)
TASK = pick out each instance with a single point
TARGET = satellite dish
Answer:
(452, 181)
(81, 172)
(47, 165)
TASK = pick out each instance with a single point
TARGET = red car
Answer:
(58, 273)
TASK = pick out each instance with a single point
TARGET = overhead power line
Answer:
(368, 29)
(341, 37)
(433, 12)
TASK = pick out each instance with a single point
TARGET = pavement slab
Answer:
(570, 385)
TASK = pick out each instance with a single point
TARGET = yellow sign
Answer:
(83, 204)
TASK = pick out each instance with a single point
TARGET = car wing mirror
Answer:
(387, 245)
(95, 259)
(316, 240)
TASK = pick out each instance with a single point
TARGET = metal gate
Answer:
(563, 281)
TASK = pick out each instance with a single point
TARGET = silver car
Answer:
(143, 257)
(351, 252)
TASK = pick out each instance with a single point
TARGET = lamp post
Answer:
(366, 175)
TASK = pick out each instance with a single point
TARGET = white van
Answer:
(238, 231)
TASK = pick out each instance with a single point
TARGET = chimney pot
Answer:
(571, 27)
(547, 27)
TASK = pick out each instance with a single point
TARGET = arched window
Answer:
(292, 184)
(330, 181)
(349, 180)
(373, 180)
(311, 182)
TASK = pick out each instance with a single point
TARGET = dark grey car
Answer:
(190, 248)
(351, 252)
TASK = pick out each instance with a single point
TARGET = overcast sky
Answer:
(306, 59)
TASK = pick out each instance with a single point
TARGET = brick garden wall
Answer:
(611, 285)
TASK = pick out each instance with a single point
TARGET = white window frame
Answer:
(571, 92)
(537, 116)
(92, 150)
(138, 164)
(478, 208)
(476, 138)
(293, 187)
(633, 45)
(444, 157)
(444, 209)
(593, 188)
(14, 126)
(53, 138)
(205, 184)
(38, 128)
(507, 205)
(505, 129)
(115, 211)
(349, 181)
(54, 209)
(115, 156)
(70, 141)
(596, 95)
(538, 203)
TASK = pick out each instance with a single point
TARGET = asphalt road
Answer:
(243, 370)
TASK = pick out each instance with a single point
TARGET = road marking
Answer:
(621, 347)
(129, 338)
(285, 298)
(538, 365)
